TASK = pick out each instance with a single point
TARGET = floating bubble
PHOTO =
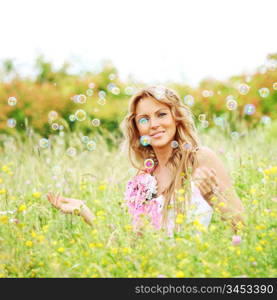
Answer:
(71, 151)
(44, 143)
(61, 127)
(85, 139)
(55, 126)
(89, 92)
(274, 86)
(110, 86)
(149, 163)
(243, 89)
(187, 146)
(12, 101)
(91, 145)
(266, 120)
(206, 93)
(75, 98)
(129, 90)
(189, 100)
(11, 123)
(80, 115)
(72, 118)
(53, 115)
(145, 140)
(159, 92)
(102, 94)
(231, 104)
(61, 133)
(205, 124)
(174, 144)
(264, 92)
(234, 135)
(91, 85)
(95, 122)
(211, 93)
(112, 76)
(202, 117)
(143, 121)
(101, 101)
(249, 109)
(219, 121)
(116, 90)
(82, 99)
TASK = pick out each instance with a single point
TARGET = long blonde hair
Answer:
(183, 158)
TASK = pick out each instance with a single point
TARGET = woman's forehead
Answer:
(149, 105)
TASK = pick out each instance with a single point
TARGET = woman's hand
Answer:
(65, 205)
(206, 181)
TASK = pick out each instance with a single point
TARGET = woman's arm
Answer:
(71, 206)
(216, 186)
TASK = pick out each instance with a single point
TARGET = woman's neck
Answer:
(163, 155)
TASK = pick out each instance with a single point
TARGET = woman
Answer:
(159, 130)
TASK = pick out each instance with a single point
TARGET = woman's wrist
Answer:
(86, 214)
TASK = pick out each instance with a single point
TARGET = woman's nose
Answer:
(154, 123)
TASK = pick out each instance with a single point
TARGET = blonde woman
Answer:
(179, 163)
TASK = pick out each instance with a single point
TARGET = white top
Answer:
(199, 208)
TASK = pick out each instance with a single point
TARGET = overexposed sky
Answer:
(155, 40)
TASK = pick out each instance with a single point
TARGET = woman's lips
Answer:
(157, 135)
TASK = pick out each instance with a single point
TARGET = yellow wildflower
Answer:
(60, 250)
(126, 250)
(102, 187)
(29, 243)
(4, 219)
(91, 245)
(36, 194)
(128, 227)
(5, 168)
(3, 191)
(22, 207)
(221, 204)
(41, 238)
(180, 274)
(33, 234)
(1, 180)
(259, 248)
(180, 219)
(45, 228)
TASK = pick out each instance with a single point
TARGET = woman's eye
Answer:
(143, 121)
(162, 114)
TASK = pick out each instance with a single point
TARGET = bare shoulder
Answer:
(206, 155)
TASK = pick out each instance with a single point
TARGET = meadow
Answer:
(38, 241)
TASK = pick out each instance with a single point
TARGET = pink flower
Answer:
(236, 240)
(140, 198)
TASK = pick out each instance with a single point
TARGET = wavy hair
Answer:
(183, 159)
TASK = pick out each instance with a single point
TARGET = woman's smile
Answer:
(157, 135)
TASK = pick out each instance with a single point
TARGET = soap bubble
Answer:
(12, 101)
(112, 76)
(52, 115)
(102, 94)
(91, 145)
(61, 127)
(149, 163)
(264, 92)
(95, 122)
(55, 126)
(71, 151)
(206, 93)
(44, 143)
(274, 86)
(244, 89)
(80, 115)
(231, 104)
(189, 100)
(11, 123)
(82, 99)
(85, 139)
(174, 144)
(219, 121)
(143, 121)
(72, 118)
(145, 140)
(266, 120)
(115, 90)
(89, 92)
(234, 135)
(91, 85)
(101, 101)
(202, 117)
(249, 109)
(187, 146)
(129, 90)
(110, 86)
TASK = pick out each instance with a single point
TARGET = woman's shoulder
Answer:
(205, 153)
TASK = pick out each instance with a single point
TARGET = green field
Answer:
(38, 241)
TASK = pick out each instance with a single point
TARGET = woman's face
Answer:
(154, 119)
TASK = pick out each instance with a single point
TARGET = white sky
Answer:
(155, 40)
